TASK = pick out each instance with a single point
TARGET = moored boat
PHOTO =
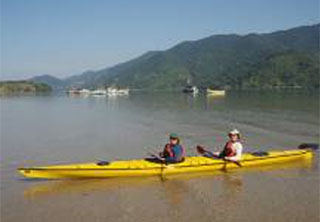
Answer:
(115, 92)
(191, 89)
(212, 92)
(99, 92)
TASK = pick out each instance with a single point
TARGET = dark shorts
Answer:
(222, 155)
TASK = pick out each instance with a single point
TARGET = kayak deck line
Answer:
(77, 169)
(146, 167)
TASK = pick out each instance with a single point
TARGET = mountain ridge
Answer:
(216, 61)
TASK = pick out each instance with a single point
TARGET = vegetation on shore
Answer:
(10, 87)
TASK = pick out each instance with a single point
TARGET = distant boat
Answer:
(212, 92)
(123, 91)
(191, 89)
(99, 92)
(73, 91)
(78, 91)
(85, 91)
(115, 92)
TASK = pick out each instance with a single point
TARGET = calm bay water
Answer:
(55, 129)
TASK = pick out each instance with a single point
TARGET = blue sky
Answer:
(67, 37)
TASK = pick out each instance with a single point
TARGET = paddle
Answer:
(313, 146)
(103, 163)
(155, 155)
(210, 154)
(161, 161)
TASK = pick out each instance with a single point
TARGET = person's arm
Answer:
(161, 154)
(203, 151)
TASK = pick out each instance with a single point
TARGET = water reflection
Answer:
(81, 186)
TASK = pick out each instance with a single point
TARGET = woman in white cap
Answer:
(232, 150)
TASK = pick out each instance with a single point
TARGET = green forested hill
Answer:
(289, 69)
(49, 80)
(280, 59)
(9, 87)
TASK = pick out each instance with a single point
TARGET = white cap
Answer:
(234, 131)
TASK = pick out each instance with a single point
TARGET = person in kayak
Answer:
(173, 151)
(232, 150)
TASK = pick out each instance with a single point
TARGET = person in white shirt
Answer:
(232, 151)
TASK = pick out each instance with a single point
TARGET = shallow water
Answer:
(56, 129)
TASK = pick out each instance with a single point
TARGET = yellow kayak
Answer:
(149, 167)
(212, 92)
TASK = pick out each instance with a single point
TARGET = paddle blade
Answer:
(313, 146)
(237, 163)
(103, 163)
(260, 153)
(201, 149)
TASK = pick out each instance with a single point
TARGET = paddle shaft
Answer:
(155, 155)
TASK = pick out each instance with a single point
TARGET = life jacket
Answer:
(228, 150)
(181, 153)
(168, 152)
